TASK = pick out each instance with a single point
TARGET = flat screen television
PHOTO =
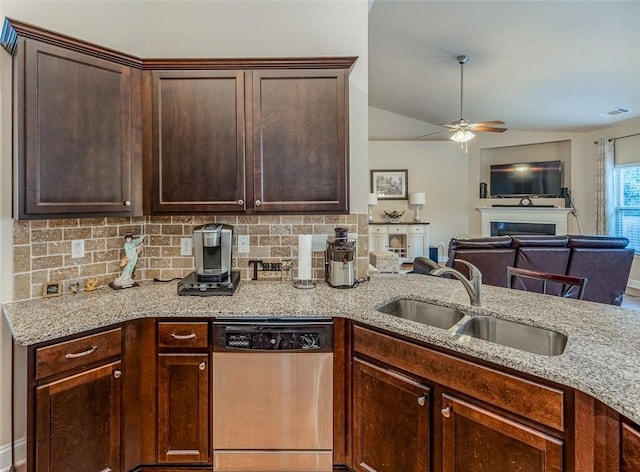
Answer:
(540, 179)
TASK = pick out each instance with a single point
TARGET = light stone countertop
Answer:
(601, 358)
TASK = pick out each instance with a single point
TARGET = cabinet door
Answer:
(377, 242)
(300, 132)
(79, 150)
(476, 439)
(78, 422)
(198, 141)
(377, 238)
(391, 421)
(415, 246)
(183, 408)
(630, 449)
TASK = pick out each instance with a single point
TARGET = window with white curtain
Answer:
(627, 203)
(627, 190)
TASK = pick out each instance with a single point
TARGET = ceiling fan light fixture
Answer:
(462, 136)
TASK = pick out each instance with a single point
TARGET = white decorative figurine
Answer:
(132, 248)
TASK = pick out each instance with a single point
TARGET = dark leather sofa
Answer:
(604, 260)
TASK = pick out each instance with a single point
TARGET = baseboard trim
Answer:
(5, 455)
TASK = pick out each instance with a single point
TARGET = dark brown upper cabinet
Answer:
(259, 137)
(101, 133)
(300, 129)
(77, 127)
(198, 145)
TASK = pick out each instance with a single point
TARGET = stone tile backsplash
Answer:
(42, 248)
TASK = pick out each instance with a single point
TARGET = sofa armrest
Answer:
(424, 265)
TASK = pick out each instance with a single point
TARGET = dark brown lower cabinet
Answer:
(183, 408)
(391, 420)
(630, 449)
(475, 439)
(78, 422)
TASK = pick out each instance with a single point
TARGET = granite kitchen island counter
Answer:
(601, 357)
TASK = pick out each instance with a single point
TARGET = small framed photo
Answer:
(51, 289)
(390, 184)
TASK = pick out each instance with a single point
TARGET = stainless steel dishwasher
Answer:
(273, 395)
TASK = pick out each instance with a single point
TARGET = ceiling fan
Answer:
(462, 129)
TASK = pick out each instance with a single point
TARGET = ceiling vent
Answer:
(616, 112)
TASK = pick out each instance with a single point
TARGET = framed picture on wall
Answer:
(389, 184)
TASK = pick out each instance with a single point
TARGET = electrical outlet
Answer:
(185, 247)
(77, 248)
(318, 242)
(243, 243)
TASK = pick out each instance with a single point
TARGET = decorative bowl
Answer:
(393, 216)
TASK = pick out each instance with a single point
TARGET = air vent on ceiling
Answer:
(616, 112)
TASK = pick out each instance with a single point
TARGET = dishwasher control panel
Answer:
(273, 335)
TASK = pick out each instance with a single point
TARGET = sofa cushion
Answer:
(607, 272)
(539, 241)
(602, 242)
(492, 242)
(547, 259)
(492, 264)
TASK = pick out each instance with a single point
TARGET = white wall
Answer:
(6, 251)
(438, 169)
(184, 28)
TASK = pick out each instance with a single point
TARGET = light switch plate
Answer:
(243, 244)
(186, 247)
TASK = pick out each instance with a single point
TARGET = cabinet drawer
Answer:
(402, 229)
(77, 352)
(172, 334)
(417, 229)
(532, 400)
(378, 229)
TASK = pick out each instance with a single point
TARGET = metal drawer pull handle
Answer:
(74, 355)
(202, 365)
(422, 400)
(117, 374)
(240, 202)
(127, 203)
(446, 412)
(182, 337)
(258, 203)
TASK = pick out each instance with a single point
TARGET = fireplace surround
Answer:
(523, 220)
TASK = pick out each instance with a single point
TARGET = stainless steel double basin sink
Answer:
(488, 328)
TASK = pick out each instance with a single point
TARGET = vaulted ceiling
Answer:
(537, 65)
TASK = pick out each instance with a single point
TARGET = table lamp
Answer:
(373, 200)
(417, 199)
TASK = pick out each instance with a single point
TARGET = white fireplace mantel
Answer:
(556, 216)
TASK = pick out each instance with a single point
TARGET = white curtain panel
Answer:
(605, 210)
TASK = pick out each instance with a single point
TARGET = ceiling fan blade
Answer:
(489, 128)
(497, 122)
